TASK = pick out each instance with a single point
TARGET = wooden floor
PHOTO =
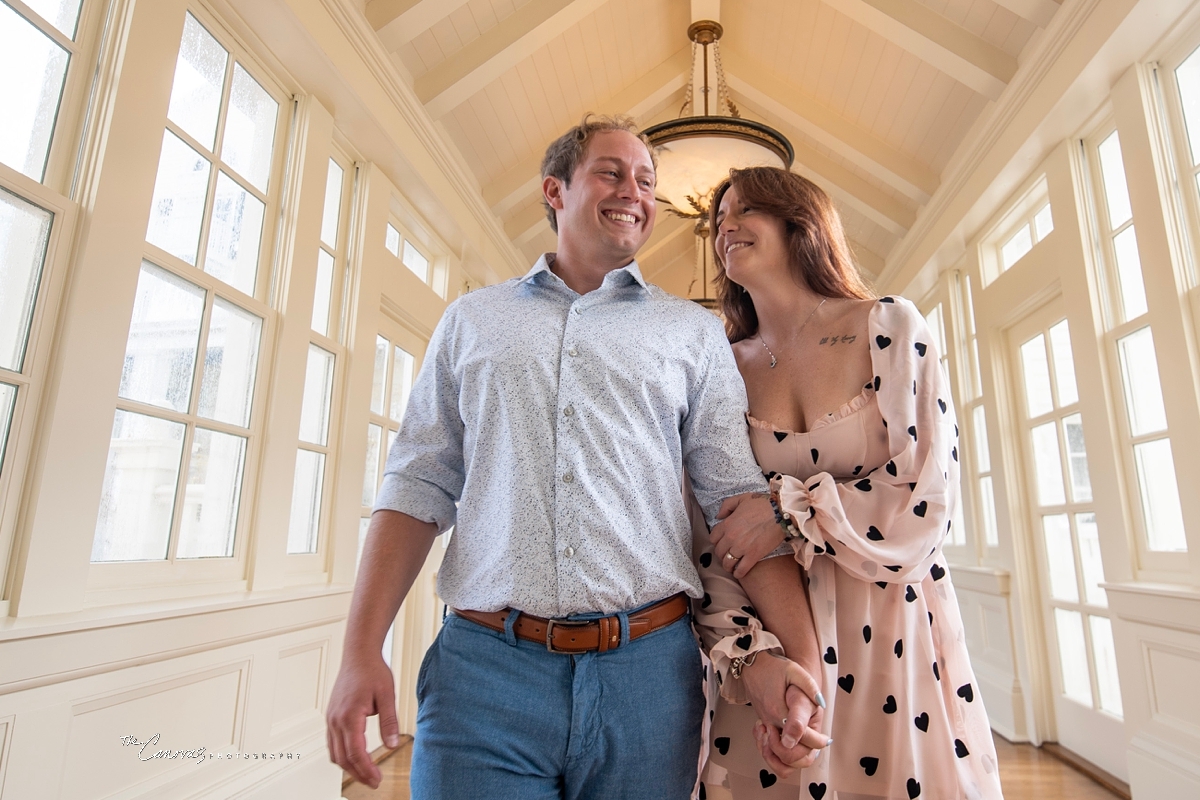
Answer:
(1025, 772)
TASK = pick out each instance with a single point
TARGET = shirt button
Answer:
(578, 309)
(572, 352)
(569, 411)
(570, 551)
(568, 477)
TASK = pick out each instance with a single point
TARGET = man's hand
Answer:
(362, 690)
(747, 532)
(784, 696)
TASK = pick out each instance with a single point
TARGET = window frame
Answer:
(1097, 230)
(33, 378)
(407, 223)
(121, 581)
(1021, 214)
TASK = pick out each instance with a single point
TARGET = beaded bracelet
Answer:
(790, 531)
(739, 663)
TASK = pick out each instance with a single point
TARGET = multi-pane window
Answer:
(1187, 86)
(977, 468)
(24, 237)
(1065, 519)
(37, 42)
(935, 319)
(309, 491)
(183, 426)
(408, 253)
(395, 368)
(1131, 336)
(1022, 240)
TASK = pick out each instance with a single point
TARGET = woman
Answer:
(850, 415)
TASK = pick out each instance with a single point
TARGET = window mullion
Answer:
(189, 435)
(44, 25)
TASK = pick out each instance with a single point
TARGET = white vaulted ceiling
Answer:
(875, 95)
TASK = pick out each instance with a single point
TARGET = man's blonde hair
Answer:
(564, 153)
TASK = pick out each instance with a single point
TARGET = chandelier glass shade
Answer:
(697, 150)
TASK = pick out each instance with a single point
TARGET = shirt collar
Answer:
(543, 266)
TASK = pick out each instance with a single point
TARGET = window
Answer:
(1145, 430)
(395, 369)
(1025, 237)
(415, 258)
(1186, 94)
(37, 38)
(324, 352)
(184, 424)
(977, 467)
(1064, 516)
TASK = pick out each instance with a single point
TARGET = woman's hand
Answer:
(789, 703)
(747, 532)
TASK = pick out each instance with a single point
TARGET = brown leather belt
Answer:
(571, 636)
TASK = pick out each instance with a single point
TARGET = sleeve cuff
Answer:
(729, 648)
(416, 498)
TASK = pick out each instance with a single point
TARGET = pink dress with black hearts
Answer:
(873, 487)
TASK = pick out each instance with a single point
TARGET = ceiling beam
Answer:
(667, 230)
(935, 40)
(868, 260)
(642, 97)
(499, 49)
(902, 173)
(1039, 12)
(526, 223)
(398, 22)
(889, 213)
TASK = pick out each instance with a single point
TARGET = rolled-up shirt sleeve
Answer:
(425, 467)
(716, 446)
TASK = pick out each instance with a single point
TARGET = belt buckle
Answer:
(566, 623)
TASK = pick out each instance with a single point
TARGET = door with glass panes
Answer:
(1062, 521)
(398, 354)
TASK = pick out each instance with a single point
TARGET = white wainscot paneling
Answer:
(245, 679)
(983, 599)
(1157, 631)
(298, 686)
(192, 713)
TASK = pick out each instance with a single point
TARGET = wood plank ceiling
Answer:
(875, 95)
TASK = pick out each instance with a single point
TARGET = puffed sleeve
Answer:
(886, 525)
(728, 625)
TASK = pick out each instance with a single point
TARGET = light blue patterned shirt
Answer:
(561, 425)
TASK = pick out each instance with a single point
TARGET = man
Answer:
(558, 411)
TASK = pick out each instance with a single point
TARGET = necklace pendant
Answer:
(772, 361)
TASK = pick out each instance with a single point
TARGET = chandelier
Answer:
(697, 150)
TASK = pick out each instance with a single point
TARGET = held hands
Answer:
(362, 690)
(789, 704)
(747, 532)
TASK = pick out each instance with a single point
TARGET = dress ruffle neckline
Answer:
(847, 408)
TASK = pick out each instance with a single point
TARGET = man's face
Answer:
(608, 208)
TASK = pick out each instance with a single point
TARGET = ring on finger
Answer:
(731, 555)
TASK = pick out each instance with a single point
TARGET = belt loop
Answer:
(624, 618)
(510, 635)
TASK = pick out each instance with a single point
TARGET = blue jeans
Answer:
(500, 717)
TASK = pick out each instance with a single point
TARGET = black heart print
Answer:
(881, 584)
(817, 790)
(857, 469)
(899, 648)
(847, 683)
(744, 641)
(877, 389)
(828, 546)
(891, 468)
(912, 431)
(814, 453)
(830, 656)
(937, 572)
(886, 300)
(920, 508)
(864, 485)
(869, 764)
(750, 610)
(706, 560)
(942, 405)
(914, 789)
(767, 779)
(960, 749)
(707, 601)
(920, 348)
(890, 706)
(937, 673)
(954, 453)
(892, 567)
(874, 535)
(922, 722)
(883, 341)
(909, 594)
(966, 692)
(740, 620)
(780, 435)
(722, 744)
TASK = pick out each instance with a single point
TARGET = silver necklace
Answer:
(763, 341)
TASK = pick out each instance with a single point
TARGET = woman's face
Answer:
(751, 243)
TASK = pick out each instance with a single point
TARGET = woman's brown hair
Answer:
(820, 256)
